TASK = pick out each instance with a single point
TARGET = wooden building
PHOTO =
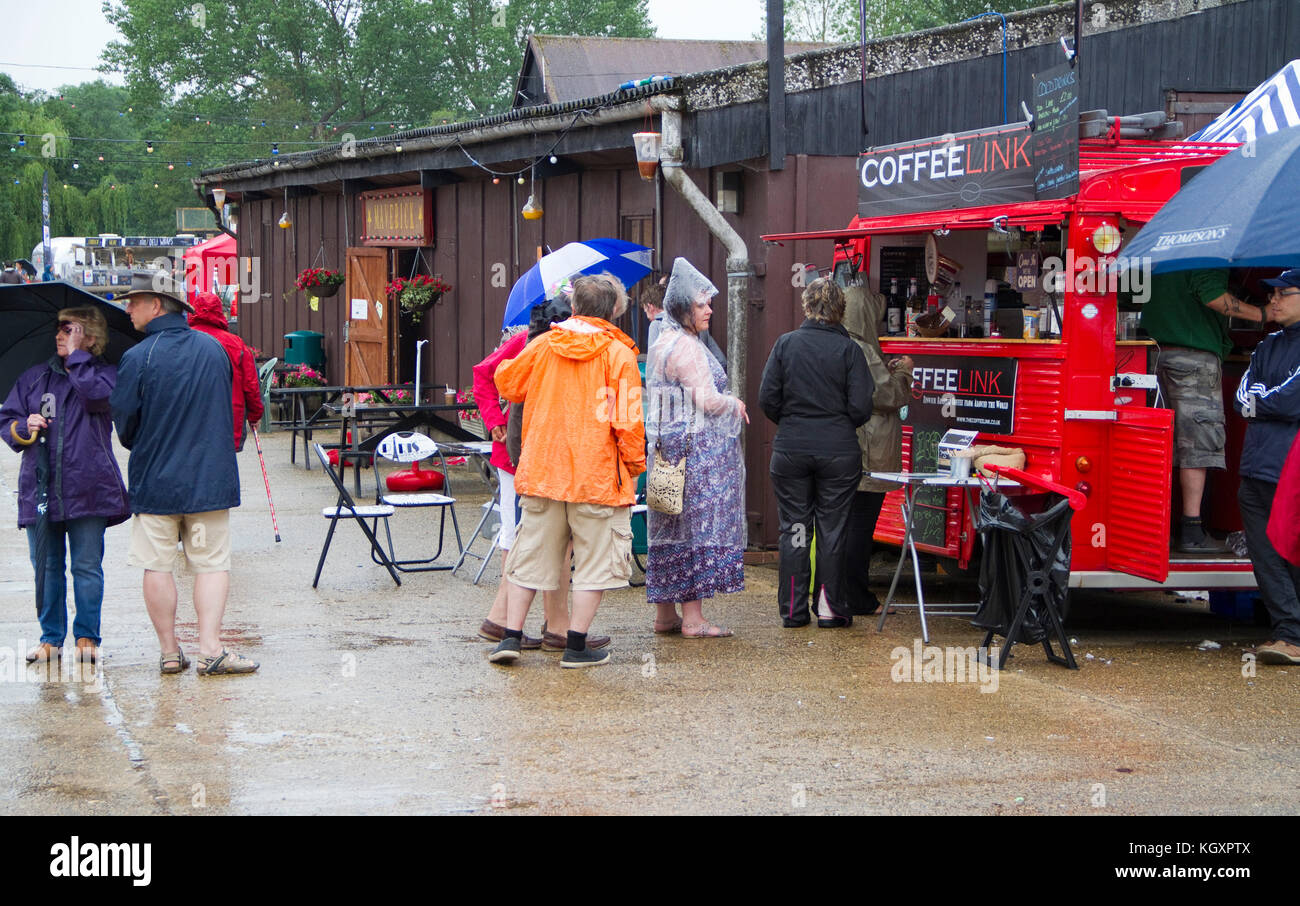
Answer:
(576, 158)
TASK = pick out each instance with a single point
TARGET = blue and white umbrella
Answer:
(627, 261)
(1270, 107)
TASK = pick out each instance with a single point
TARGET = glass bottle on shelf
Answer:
(915, 307)
(893, 310)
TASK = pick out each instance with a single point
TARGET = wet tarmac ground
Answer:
(376, 699)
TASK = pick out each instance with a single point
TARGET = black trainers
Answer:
(1193, 539)
(506, 652)
(587, 657)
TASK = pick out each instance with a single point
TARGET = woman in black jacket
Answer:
(817, 387)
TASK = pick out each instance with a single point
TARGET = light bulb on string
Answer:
(496, 180)
(22, 141)
(531, 210)
(285, 223)
(171, 166)
(554, 160)
(520, 180)
(148, 147)
(275, 149)
(76, 165)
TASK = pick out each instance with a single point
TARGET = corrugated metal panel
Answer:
(585, 67)
(1040, 400)
(1137, 527)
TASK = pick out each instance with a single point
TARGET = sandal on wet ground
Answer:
(673, 628)
(43, 653)
(706, 630)
(226, 663)
(176, 662)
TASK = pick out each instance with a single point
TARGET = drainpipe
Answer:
(738, 269)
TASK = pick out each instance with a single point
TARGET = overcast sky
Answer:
(78, 32)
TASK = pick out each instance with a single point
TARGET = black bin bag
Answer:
(1015, 547)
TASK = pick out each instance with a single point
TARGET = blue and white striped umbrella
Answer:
(1270, 107)
(627, 261)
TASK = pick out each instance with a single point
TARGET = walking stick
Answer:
(266, 481)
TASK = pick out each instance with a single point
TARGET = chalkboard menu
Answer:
(976, 393)
(1056, 132)
(903, 262)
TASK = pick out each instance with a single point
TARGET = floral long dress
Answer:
(700, 552)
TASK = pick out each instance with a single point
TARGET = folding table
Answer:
(912, 483)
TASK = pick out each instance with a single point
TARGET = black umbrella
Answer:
(28, 326)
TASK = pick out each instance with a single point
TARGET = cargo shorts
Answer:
(602, 545)
(1191, 381)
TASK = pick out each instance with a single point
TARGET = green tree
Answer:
(838, 20)
(343, 62)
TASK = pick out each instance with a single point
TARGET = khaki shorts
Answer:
(602, 545)
(1191, 382)
(204, 536)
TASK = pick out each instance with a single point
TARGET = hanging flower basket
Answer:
(416, 295)
(320, 282)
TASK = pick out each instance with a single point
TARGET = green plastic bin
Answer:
(304, 348)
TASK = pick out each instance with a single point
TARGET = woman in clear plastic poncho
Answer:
(699, 553)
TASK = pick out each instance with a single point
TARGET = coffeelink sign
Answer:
(958, 170)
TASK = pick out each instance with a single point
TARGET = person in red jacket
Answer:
(245, 391)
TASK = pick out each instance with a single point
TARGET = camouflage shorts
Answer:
(1191, 382)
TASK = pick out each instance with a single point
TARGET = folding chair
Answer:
(489, 529)
(409, 447)
(346, 508)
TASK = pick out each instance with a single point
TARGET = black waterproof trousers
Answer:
(859, 546)
(814, 494)
(1279, 581)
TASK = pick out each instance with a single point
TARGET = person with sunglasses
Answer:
(1268, 397)
(67, 399)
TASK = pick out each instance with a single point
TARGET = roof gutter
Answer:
(738, 268)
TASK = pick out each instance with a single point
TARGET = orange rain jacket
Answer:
(584, 441)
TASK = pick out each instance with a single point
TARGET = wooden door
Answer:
(367, 352)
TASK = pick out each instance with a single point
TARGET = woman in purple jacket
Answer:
(67, 398)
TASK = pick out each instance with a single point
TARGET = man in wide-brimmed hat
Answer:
(172, 410)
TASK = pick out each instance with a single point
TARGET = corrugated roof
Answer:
(574, 67)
